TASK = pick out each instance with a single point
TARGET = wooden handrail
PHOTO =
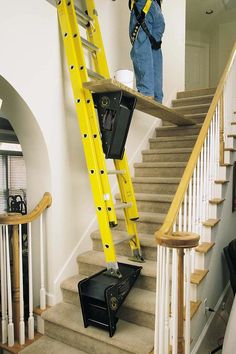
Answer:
(167, 226)
(17, 219)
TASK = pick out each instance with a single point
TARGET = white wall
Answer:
(220, 37)
(33, 66)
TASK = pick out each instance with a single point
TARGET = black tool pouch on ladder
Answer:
(141, 23)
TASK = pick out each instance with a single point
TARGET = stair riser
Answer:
(152, 206)
(192, 110)
(155, 188)
(166, 157)
(194, 93)
(202, 260)
(178, 132)
(142, 227)
(125, 313)
(123, 249)
(172, 144)
(80, 341)
(199, 120)
(192, 101)
(143, 281)
(137, 317)
(197, 290)
(159, 172)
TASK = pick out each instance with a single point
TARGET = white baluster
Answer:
(3, 285)
(187, 301)
(194, 200)
(201, 194)
(175, 301)
(10, 326)
(208, 175)
(162, 303)
(167, 302)
(180, 219)
(22, 323)
(190, 216)
(31, 317)
(42, 288)
(185, 211)
(198, 197)
(156, 334)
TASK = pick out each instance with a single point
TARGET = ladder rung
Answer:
(89, 45)
(123, 206)
(94, 75)
(116, 172)
(85, 19)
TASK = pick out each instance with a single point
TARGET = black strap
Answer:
(141, 23)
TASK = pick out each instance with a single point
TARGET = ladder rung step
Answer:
(123, 206)
(116, 172)
(89, 45)
(82, 16)
(95, 75)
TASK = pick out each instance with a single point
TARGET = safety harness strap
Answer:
(141, 23)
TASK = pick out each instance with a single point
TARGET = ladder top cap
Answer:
(144, 104)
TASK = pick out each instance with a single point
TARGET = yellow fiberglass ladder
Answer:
(72, 22)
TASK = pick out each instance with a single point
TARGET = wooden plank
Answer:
(205, 247)
(144, 104)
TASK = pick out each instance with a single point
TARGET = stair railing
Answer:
(190, 214)
(12, 289)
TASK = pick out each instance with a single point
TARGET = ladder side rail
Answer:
(124, 180)
(76, 62)
(79, 75)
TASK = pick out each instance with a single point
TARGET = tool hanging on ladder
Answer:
(90, 133)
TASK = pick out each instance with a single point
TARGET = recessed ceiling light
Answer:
(209, 12)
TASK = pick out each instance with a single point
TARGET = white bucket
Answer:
(126, 77)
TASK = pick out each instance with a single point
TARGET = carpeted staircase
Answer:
(155, 182)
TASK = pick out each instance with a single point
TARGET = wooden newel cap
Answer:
(179, 239)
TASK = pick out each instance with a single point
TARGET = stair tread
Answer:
(167, 151)
(216, 201)
(145, 239)
(173, 138)
(197, 92)
(159, 164)
(145, 216)
(46, 344)
(152, 197)
(166, 180)
(97, 258)
(128, 337)
(143, 104)
(186, 127)
(201, 105)
(134, 300)
(186, 99)
(205, 247)
(194, 115)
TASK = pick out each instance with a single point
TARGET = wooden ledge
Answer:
(144, 104)
(205, 247)
(211, 222)
(216, 201)
(178, 239)
(198, 275)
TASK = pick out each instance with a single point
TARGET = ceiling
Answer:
(197, 19)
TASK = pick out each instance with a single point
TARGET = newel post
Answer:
(180, 241)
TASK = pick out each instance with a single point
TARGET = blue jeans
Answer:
(147, 62)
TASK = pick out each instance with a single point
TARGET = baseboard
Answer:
(210, 319)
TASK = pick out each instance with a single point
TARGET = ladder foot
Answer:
(112, 272)
(137, 256)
